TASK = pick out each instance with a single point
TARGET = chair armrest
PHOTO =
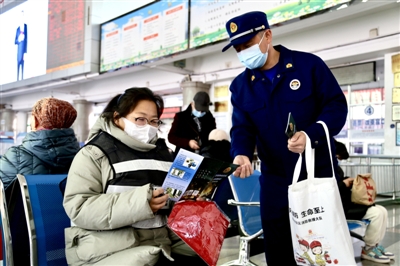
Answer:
(238, 203)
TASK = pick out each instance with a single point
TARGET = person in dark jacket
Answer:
(190, 128)
(376, 214)
(219, 146)
(49, 148)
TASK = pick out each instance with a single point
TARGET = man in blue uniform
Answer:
(278, 81)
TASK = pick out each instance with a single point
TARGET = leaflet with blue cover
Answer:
(192, 175)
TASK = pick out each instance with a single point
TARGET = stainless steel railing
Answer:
(385, 171)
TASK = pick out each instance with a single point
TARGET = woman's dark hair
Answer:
(125, 103)
(341, 150)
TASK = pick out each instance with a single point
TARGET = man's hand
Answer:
(297, 143)
(245, 169)
(158, 200)
(349, 181)
(194, 145)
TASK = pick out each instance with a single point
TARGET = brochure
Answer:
(291, 126)
(192, 175)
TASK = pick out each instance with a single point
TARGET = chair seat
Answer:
(356, 224)
(43, 201)
(6, 250)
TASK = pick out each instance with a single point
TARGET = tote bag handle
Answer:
(310, 157)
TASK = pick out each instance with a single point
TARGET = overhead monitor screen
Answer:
(39, 37)
(66, 35)
(23, 45)
(151, 32)
(208, 18)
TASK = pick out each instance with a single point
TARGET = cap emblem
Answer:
(233, 27)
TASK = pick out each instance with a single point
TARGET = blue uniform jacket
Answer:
(260, 114)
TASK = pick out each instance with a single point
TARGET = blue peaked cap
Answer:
(244, 27)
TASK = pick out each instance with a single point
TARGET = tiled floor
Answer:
(391, 242)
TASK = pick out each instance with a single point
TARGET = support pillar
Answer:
(81, 124)
(7, 117)
(22, 121)
(190, 88)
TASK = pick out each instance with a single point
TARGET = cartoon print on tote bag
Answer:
(313, 250)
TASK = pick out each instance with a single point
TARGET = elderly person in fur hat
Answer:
(49, 148)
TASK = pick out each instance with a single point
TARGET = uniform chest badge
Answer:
(294, 84)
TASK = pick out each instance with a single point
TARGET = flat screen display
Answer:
(39, 37)
(23, 45)
(151, 32)
(208, 18)
(66, 35)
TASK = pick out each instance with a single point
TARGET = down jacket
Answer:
(41, 152)
(102, 231)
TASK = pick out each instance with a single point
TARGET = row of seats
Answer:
(45, 220)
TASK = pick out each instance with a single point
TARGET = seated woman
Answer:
(109, 196)
(376, 214)
(49, 148)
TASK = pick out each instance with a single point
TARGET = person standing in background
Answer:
(21, 40)
(190, 128)
(278, 81)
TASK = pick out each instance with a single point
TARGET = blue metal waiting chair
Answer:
(221, 197)
(46, 218)
(355, 224)
(246, 193)
(5, 229)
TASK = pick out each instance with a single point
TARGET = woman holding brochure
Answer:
(111, 194)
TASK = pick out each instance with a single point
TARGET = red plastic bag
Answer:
(202, 226)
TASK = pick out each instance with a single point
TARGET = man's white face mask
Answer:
(252, 57)
(143, 133)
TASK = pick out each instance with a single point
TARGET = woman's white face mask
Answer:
(143, 133)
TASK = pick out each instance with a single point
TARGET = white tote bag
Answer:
(320, 234)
